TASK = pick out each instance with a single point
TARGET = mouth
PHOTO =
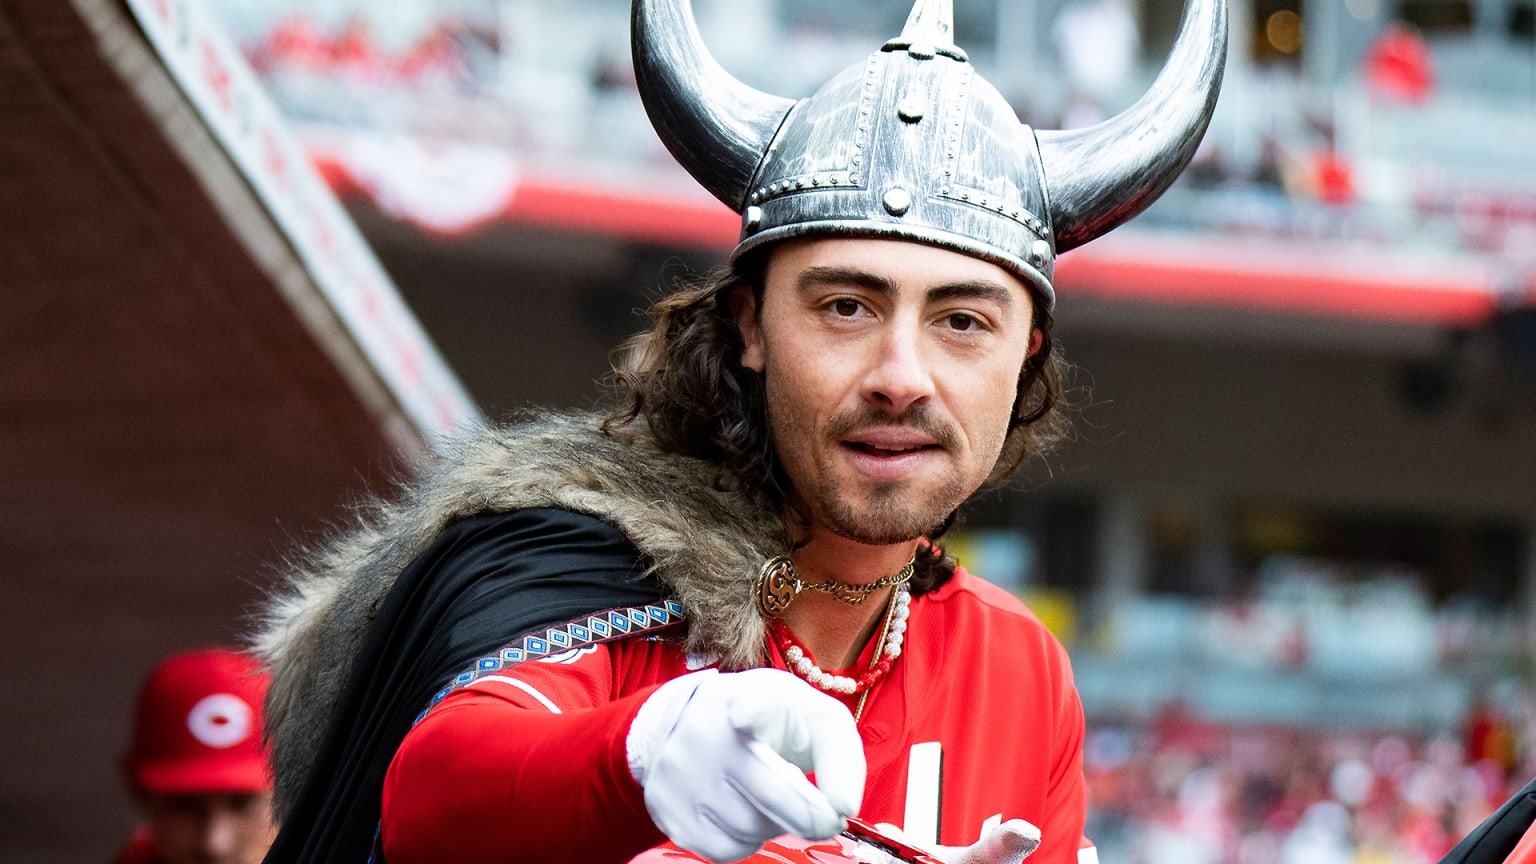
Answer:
(887, 451)
(885, 461)
(891, 443)
(884, 449)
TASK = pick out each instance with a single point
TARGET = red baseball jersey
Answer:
(978, 718)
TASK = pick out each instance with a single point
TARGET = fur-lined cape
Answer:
(704, 539)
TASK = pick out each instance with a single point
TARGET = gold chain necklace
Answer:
(778, 583)
(894, 618)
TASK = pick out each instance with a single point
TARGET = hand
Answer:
(722, 756)
(1001, 843)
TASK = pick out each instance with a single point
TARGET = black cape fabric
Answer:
(1493, 840)
(484, 582)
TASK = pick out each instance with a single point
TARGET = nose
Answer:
(899, 376)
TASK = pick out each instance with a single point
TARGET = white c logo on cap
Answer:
(220, 720)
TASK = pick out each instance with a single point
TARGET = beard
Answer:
(886, 516)
(875, 514)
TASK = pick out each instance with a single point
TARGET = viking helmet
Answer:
(912, 144)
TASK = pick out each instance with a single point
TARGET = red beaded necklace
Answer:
(892, 637)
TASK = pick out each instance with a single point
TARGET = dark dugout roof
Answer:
(179, 402)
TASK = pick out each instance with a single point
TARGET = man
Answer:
(196, 766)
(576, 638)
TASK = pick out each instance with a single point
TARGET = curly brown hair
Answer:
(684, 380)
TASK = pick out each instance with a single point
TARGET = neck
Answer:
(833, 631)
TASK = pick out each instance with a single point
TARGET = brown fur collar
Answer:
(705, 542)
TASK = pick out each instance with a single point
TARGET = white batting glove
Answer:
(1001, 843)
(722, 756)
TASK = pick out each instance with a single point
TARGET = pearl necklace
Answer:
(892, 636)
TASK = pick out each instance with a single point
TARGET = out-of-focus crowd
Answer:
(1181, 791)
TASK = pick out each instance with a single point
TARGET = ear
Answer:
(744, 310)
(1036, 339)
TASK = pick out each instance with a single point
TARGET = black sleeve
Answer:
(485, 581)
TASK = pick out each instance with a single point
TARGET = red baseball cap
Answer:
(198, 728)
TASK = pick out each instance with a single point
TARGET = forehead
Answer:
(905, 264)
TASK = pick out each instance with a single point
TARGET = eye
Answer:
(962, 322)
(847, 307)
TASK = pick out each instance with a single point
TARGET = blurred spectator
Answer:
(295, 43)
(1182, 790)
(357, 57)
(1333, 181)
(196, 766)
(1490, 736)
(1097, 42)
(1398, 66)
(437, 60)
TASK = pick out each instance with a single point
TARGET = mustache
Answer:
(917, 417)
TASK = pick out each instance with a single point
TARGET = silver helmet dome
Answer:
(912, 144)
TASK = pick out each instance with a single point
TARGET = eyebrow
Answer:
(813, 277)
(974, 289)
(978, 289)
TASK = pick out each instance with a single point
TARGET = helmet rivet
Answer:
(897, 201)
(910, 110)
(754, 218)
(1041, 252)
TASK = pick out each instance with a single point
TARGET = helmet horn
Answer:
(716, 126)
(1103, 175)
(930, 25)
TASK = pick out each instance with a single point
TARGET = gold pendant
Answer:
(776, 586)
(853, 595)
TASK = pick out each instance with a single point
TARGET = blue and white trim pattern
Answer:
(591, 630)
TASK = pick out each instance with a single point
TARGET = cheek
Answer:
(805, 380)
(792, 401)
(997, 433)
(991, 397)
